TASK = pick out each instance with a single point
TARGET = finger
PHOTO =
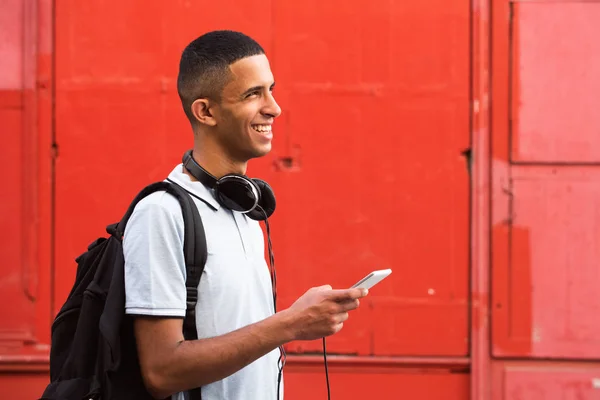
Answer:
(338, 327)
(342, 317)
(349, 305)
(346, 294)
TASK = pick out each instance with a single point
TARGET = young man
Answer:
(226, 88)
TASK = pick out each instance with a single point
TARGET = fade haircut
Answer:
(204, 65)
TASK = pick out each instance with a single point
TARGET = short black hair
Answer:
(204, 65)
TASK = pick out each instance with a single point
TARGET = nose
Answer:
(271, 108)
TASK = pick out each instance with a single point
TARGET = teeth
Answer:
(262, 128)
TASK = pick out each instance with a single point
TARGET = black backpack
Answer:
(93, 350)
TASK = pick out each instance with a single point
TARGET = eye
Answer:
(253, 93)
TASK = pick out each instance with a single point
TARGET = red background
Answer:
(494, 256)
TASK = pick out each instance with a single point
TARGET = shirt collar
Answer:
(196, 188)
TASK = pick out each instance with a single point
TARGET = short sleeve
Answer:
(154, 260)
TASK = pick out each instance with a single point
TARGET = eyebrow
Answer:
(254, 88)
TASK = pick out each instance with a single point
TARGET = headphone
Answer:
(250, 196)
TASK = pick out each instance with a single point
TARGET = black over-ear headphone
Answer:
(251, 196)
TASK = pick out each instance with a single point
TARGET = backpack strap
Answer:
(194, 250)
(194, 245)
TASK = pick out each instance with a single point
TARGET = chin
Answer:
(261, 151)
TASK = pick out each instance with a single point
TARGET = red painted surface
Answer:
(25, 215)
(480, 379)
(559, 205)
(368, 181)
(544, 253)
(358, 380)
(537, 383)
(545, 308)
(22, 385)
(18, 318)
(380, 100)
(516, 380)
(544, 203)
(555, 82)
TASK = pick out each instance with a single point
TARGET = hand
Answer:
(322, 311)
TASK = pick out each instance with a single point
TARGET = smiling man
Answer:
(226, 88)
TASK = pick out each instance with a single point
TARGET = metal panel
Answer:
(547, 302)
(17, 319)
(375, 141)
(366, 164)
(544, 258)
(118, 117)
(481, 65)
(16, 276)
(24, 217)
(555, 82)
(374, 380)
(546, 382)
(24, 386)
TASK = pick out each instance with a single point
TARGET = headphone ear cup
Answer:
(266, 201)
(237, 193)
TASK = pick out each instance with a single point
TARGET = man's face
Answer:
(247, 110)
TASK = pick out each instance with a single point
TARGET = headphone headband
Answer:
(197, 171)
(253, 197)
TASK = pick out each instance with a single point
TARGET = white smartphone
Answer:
(372, 279)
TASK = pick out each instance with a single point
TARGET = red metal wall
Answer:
(367, 166)
(25, 215)
(545, 235)
(375, 103)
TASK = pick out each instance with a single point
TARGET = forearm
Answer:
(199, 362)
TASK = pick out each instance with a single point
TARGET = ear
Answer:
(201, 108)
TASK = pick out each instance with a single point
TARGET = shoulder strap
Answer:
(194, 246)
(194, 250)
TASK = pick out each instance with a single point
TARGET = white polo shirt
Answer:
(235, 288)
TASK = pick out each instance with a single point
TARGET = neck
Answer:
(216, 163)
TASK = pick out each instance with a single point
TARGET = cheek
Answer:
(245, 115)
(239, 118)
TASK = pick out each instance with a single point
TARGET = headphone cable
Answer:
(326, 369)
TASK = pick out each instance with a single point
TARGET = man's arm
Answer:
(155, 294)
(170, 364)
